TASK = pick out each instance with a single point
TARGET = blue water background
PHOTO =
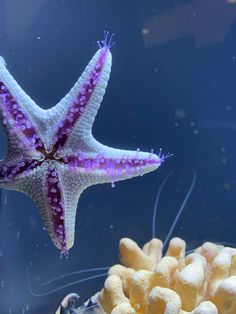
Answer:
(172, 87)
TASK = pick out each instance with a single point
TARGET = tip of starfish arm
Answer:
(163, 156)
(107, 42)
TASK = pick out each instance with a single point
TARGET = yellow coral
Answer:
(203, 282)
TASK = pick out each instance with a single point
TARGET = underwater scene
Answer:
(117, 174)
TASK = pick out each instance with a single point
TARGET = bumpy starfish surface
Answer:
(52, 155)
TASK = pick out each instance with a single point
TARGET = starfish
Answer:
(52, 155)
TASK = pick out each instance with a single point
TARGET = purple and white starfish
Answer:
(52, 155)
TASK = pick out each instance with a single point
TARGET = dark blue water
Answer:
(173, 85)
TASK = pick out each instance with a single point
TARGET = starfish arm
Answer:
(63, 189)
(33, 184)
(81, 104)
(105, 164)
(14, 88)
(17, 111)
(55, 189)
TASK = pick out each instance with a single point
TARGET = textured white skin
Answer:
(72, 181)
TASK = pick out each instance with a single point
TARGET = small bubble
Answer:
(145, 31)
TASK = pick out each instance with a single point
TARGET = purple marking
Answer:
(113, 167)
(9, 172)
(77, 108)
(102, 163)
(10, 110)
(56, 205)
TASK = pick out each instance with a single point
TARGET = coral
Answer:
(202, 282)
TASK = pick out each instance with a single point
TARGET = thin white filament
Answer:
(87, 270)
(154, 216)
(180, 210)
(64, 286)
